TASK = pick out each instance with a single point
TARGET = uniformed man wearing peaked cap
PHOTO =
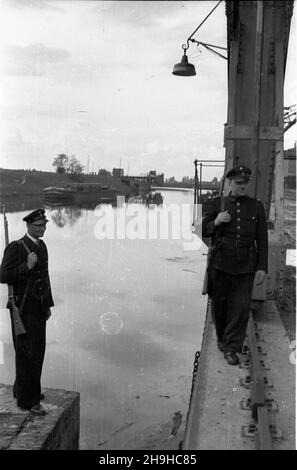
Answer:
(25, 267)
(239, 254)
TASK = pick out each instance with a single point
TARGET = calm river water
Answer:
(127, 321)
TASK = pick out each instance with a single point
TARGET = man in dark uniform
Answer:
(239, 254)
(25, 263)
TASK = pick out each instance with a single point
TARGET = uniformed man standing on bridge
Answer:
(25, 267)
(239, 254)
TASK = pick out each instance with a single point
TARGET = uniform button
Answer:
(238, 227)
(238, 236)
(238, 203)
(238, 219)
(238, 210)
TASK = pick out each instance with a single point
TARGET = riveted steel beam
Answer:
(263, 434)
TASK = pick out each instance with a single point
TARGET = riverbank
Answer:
(18, 184)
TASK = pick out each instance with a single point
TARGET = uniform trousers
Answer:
(230, 305)
(29, 356)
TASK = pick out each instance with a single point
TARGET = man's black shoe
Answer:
(38, 410)
(231, 358)
(220, 346)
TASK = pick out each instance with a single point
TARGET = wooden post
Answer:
(257, 91)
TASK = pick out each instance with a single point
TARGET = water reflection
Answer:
(65, 216)
(26, 203)
(110, 323)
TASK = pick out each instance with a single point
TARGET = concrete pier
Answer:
(57, 430)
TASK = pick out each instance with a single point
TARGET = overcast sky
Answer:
(93, 79)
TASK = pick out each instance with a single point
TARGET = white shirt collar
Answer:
(33, 239)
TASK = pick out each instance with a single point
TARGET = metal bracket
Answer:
(264, 365)
(244, 364)
(247, 381)
(261, 351)
(249, 431)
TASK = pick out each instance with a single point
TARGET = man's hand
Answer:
(222, 217)
(31, 260)
(259, 277)
(48, 314)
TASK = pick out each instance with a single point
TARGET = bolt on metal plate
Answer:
(258, 336)
(268, 382)
(244, 364)
(264, 365)
(245, 381)
(245, 404)
(245, 349)
(276, 433)
(271, 405)
(261, 351)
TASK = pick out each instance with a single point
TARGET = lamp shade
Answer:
(183, 68)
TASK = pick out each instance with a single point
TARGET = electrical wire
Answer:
(214, 52)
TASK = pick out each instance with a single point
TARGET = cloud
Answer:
(32, 60)
(138, 13)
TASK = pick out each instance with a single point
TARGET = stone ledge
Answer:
(58, 429)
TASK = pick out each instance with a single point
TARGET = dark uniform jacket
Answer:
(240, 246)
(14, 271)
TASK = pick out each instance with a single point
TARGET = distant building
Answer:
(171, 180)
(151, 178)
(119, 172)
(103, 172)
(187, 180)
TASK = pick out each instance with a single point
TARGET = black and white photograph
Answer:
(147, 228)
